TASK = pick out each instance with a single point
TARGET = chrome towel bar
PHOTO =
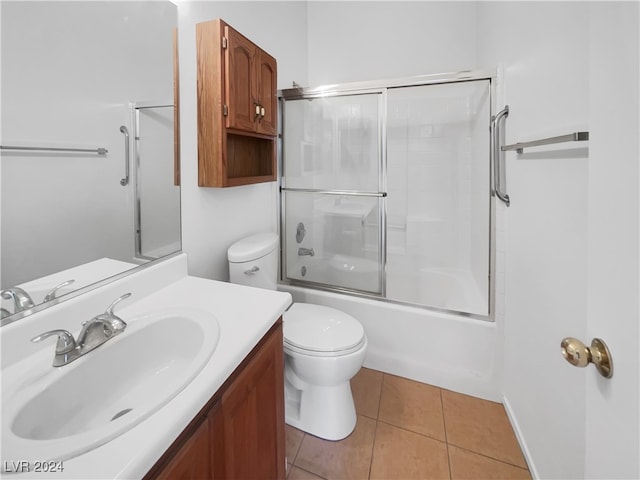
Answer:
(572, 137)
(99, 151)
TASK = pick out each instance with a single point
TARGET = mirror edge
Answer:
(88, 288)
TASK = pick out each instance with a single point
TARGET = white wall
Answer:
(613, 413)
(543, 49)
(353, 41)
(58, 91)
(214, 218)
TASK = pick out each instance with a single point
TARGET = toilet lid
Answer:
(321, 329)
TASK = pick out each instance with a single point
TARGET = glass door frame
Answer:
(381, 87)
(135, 108)
(381, 192)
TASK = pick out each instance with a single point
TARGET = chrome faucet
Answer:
(21, 299)
(306, 251)
(94, 333)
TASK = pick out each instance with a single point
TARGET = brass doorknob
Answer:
(578, 354)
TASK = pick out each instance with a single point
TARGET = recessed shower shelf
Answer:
(572, 137)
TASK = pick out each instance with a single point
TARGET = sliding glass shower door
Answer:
(438, 204)
(388, 193)
(332, 191)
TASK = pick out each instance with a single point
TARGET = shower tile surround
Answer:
(408, 429)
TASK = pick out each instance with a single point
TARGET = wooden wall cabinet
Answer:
(237, 108)
(239, 434)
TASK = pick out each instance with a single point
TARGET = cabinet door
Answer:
(193, 460)
(239, 82)
(250, 422)
(266, 71)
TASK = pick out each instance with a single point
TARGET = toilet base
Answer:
(325, 412)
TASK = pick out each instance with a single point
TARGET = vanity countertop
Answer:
(244, 315)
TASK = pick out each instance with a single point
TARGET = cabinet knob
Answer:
(262, 112)
(257, 109)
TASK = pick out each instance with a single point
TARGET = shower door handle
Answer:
(498, 160)
(125, 181)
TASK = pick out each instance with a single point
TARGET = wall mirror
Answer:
(88, 166)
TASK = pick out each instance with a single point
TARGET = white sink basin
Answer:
(56, 413)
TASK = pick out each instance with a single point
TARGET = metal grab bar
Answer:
(125, 181)
(572, 137)
(498, 161)
(99, 150)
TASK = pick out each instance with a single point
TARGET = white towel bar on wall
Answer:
(572, 137)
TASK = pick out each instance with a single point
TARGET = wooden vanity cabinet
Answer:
(237, 108)
(192, 460)
(239, 434)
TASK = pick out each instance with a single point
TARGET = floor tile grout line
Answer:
(489, 457)
(380, 395)
(309, 471)
(375, 432)
(422, 434)
(373, 449)
(295, 457)
(449, 461)
(444, 418)
(446, 437)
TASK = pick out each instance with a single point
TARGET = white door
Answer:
(612, 406)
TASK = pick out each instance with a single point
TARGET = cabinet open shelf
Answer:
(250, 160)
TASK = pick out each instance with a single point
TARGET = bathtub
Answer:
(444, 288)
(448, 350)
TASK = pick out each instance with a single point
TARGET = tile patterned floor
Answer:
(410, 430)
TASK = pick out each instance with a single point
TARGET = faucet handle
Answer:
(116, 322)
(52, 293)
(115, 302)
(65, 344)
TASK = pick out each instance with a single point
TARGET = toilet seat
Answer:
(317, 330)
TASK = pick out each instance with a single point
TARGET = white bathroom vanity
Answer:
(190, 387)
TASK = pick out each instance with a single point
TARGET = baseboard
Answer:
(520, 438)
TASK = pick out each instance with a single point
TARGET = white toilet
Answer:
(323, 347)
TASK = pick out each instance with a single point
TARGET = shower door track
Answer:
(376, 86)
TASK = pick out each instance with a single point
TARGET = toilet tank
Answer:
(253, 261)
